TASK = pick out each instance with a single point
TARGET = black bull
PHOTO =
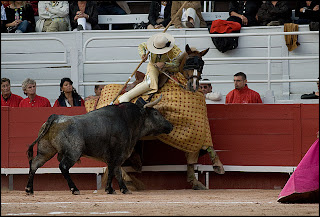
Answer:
(108, 134)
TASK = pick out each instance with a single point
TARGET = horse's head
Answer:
(192, 67)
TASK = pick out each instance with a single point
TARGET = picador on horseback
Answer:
(172, 73)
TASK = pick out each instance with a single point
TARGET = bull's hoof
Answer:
(29, 191)
(75, 191)
(196, 185)
(111, 191)
(126, 191)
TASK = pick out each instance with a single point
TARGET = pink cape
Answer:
(303, 184)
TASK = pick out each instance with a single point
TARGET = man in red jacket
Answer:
(241, 93)
(7, 97)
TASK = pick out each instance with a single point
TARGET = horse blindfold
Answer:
(194, 63)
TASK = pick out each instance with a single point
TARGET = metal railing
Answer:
(37, 62)
(268, 57)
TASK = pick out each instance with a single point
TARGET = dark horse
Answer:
(189, 121)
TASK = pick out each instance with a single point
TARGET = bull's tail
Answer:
(41, 134)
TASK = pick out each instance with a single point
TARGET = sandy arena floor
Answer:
(231, 202)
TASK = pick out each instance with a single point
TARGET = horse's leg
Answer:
(216, 163)
(192, 158)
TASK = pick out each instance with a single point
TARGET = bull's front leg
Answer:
(122, 185)
(109, 188)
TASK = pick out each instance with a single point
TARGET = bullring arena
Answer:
(260, 145)
(185, 202)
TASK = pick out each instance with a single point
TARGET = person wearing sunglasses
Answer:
(207, 91)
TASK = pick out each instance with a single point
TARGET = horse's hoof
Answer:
(196, 185)
(218, 169)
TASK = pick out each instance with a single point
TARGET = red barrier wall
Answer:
(249, 135)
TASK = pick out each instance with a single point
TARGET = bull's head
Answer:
(155, 123)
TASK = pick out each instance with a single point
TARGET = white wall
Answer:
(63, 54)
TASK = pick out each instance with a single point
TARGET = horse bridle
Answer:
(194, 63)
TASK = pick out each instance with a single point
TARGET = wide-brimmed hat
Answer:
(160, 43)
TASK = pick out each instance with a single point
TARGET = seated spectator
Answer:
(20, 18)
(5, 3)
(97, 91)
(313, 95)
(3, 18)
(159, 14)
(32, 100)
(274, 13)
(83, 15)
(241, 93)
(7, 97)
(207, 91)
(53, 16)
(206, 88)
(244, 12)
(68, 95)
(113, 8)
(34, 5)
(307, 11)
(189, 17)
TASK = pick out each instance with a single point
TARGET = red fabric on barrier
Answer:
(224, 26)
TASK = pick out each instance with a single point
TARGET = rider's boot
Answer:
(134, 92)
(216, 163)
(191, 178)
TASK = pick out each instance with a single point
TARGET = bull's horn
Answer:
(151, 104)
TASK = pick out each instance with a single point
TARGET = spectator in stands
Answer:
(34, 5)
(53, 16)
(274, 13)
(307, 11)
(241, 93)
(83, 15)
(7, 97)
(97, 91)
(113, 8)
(313, 95)
(207, 91)
(244, 12)
(159, 14)
(189, 17)
(68, 95)
(206, 88)
(164, 55)
(33, 100)
(20, 18)
(5, 3)
(3, 18)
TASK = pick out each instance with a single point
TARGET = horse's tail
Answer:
(41, 134)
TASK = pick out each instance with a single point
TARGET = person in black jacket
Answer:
(159, 14)
(68, 95)
(307, 11)
(244, 12)
(84, 9)
(274, 13)
(20, 18)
